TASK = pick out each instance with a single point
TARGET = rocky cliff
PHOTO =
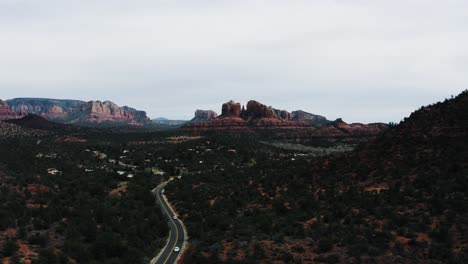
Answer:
(281, 124)
(50, 108)
(300, 115)
(107, 111)
(204, 115)
(6, 112)
(79, 112)
(256, 110)
(231, 109)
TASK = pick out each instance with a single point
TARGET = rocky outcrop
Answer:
(300, 115)
(221, 124)
(52, 109)
(231, 109)
(204, 115)
(256, 110)
(139, 115)
(6, 112)
(283, 114)
(79, 112)
(107, 111)
(266, 120)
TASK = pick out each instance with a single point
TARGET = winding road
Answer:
(177, 234)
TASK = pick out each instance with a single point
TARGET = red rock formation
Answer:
(231, 109)
(256, 110)
(78, 112)
(283, 114)
(107, 111)
(259, 118)
(6, 112)
(204, 115)
(228, 124)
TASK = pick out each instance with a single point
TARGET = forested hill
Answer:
(402, 198)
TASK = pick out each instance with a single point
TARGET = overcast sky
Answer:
(362, 60)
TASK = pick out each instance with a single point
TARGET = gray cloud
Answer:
(361, 60)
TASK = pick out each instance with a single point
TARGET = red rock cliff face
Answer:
(231, 109)
(107, 111)
(6, 112)
(52, 109)
(104, 110)
(280, 124)
(78, 112)
(256, 110)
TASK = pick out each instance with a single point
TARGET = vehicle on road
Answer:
(176, 249)
(174, 217)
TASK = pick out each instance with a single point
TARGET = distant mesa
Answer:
(77, 112)
(170, 123)
(300, 115)
(259, 118)
(204, 115)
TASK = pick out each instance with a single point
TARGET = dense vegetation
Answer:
(76, 215)
(400, 198)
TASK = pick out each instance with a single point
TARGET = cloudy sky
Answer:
(363, 60)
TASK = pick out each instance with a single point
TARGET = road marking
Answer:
(176, 229)
(169, 211)
(155, 191)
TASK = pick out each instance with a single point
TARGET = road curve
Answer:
(176, 234)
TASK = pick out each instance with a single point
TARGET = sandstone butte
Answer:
(259, 118)
(204, 115)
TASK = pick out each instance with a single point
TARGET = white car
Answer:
(174, 217)
(176, 249)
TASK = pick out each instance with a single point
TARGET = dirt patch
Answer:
(212, 201)
(423, 237)
(376, 188)
(26, 252)
(309, 222)
(121, 188)
(37, 188)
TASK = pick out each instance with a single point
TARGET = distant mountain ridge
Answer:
(78, 112)
(169, 122)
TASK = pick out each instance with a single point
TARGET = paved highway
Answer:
(176, 234)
